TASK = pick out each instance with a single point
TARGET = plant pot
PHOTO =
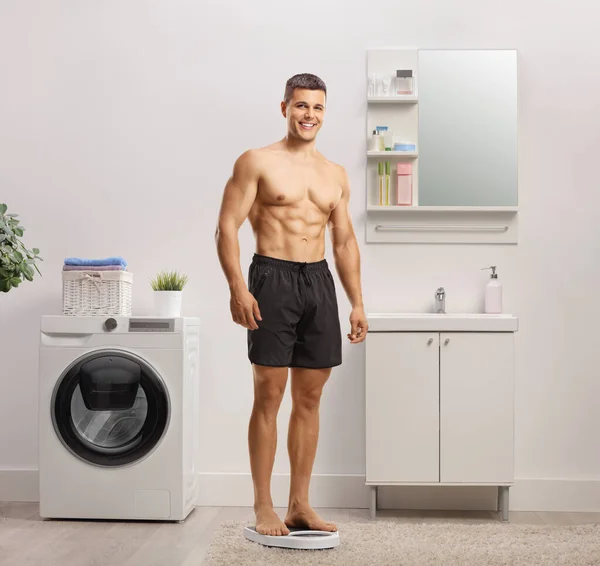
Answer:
(167, 303)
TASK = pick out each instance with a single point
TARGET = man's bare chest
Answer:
(294, 185)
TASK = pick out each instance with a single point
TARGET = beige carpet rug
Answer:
(384, 543)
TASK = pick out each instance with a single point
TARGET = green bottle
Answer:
(387, 183)
(381, 183)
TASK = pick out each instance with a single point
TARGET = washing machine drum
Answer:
(110, 408)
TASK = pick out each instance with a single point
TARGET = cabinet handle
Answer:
(446, 341)
(430, 341)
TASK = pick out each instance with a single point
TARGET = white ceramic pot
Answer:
(167, 303)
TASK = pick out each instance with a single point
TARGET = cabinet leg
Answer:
(373, 501)
(503, 504)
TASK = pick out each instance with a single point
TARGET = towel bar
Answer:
(440, 227)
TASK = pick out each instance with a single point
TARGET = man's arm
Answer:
(238, 196)
(347, 260)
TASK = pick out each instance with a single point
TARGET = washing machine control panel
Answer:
(151, 325)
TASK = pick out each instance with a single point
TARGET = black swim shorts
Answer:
(300, 325)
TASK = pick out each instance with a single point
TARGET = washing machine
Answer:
(118, 417)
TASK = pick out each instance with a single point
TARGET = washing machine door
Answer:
(110, 408)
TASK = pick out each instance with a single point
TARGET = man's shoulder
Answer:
(330, 163)
(249, 162)
(254, 157)
(337, 168)
(249, 156)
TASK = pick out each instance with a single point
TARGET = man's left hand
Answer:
(358, 325)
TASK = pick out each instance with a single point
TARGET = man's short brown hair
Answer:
(303, 80)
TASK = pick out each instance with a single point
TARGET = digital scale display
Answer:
(151, 325)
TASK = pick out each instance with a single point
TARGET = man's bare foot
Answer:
(268, 523)
(303, 516)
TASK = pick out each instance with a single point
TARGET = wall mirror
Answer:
(467, 127)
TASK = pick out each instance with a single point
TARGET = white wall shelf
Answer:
(392, 153)
(421, 225)
(394, 208)
(393, 99)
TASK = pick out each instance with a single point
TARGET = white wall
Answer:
(119, 124)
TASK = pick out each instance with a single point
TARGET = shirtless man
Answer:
(289, 192)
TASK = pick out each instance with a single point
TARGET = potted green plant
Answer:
(16, 261)
(168, 289)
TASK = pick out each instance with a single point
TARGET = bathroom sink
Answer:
(437, 322)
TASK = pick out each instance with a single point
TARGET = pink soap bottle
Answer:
(404, 193)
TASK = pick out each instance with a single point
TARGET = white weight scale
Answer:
(298, 538)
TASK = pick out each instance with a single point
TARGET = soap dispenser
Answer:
(493, 293)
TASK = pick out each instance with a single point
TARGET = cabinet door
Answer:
(476, 407)
(402, 407)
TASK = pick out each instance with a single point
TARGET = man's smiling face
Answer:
(305, 113)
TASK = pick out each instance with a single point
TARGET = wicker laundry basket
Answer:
(89, 293)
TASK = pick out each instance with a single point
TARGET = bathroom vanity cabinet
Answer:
(440, 401)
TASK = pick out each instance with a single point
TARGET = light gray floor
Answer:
(27, 540)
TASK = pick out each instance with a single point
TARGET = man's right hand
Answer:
(244, 309)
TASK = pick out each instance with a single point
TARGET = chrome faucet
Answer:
(440, 300)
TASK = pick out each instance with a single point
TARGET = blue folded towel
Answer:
(118, 260)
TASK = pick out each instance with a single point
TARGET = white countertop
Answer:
(433, 322)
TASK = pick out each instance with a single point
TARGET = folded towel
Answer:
(94, 268)
(94, 262)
